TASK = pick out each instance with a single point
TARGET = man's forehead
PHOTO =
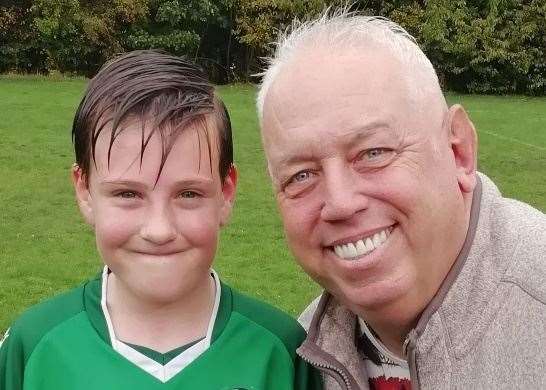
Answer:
(316, 80)
(324, 70)
(344, 90)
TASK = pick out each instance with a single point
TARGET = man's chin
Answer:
(376, 296)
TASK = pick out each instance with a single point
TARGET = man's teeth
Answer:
(362, 247)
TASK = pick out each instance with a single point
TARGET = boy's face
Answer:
(160, 239)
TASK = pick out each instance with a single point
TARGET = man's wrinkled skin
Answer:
(355, 149)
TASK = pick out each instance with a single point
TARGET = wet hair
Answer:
(169, 93)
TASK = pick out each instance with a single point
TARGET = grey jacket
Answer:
(486, 326)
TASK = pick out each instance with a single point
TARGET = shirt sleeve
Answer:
(12, 361)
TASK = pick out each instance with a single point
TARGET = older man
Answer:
(432, 279)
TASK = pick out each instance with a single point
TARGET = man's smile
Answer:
(354, 249)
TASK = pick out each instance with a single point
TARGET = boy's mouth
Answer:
(156, 253)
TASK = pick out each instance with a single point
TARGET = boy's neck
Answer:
(160, 327)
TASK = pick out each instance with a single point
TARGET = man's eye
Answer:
(298, 182)
(300, 176)
(374, 154)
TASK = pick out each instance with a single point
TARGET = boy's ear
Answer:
(229, 188)
(83, 196)
(463, 141)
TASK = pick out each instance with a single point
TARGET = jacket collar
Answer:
(330, 345)
(459, 263)
(330, 340)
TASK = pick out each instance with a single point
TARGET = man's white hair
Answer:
(341, 29)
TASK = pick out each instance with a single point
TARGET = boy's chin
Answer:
(165, 288)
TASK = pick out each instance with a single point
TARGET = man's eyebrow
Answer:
(350, 136)
(366, 131)
(295, 158)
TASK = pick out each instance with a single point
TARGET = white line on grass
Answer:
(512, 140)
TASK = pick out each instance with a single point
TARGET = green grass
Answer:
(46, 248)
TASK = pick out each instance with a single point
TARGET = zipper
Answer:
(409, 353)
(329, 368)
(406, 345)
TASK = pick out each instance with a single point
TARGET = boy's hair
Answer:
(150, 86)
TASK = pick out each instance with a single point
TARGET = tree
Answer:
(259, 21)
(479, 46)
(174, 25)
(485, 46)
(19, 50)
(79, 36)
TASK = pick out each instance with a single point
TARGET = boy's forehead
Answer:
(138, 149)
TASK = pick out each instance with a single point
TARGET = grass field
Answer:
(45, 247)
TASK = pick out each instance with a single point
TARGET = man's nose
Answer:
(158, 226)
(341, 196)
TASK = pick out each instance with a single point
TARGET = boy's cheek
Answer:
(110, 240)
(113, 227)
(202, 229)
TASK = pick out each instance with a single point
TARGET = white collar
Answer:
(379, 345)
(174, 366)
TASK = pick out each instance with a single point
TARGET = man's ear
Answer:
(229, 188)
(83, 196)
(464, 145)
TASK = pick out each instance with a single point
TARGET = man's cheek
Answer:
(301, 211)
(299, 238)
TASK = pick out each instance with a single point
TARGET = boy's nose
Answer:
(158, 228)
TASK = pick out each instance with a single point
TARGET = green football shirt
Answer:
(68, 343)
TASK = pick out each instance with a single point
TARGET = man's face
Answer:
(365, 178)
(159, 239)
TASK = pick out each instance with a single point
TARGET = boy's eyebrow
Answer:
(128, 183)
(137, 184)
(193, 181)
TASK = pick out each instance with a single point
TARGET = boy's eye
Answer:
(188, 194)
(126, 194)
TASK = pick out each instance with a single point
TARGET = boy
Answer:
(154, 177)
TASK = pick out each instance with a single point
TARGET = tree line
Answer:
(478, 46)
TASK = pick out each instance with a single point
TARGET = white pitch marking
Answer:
(512, 140)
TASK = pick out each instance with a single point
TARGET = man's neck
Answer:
(393, 321)
(392, 335)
